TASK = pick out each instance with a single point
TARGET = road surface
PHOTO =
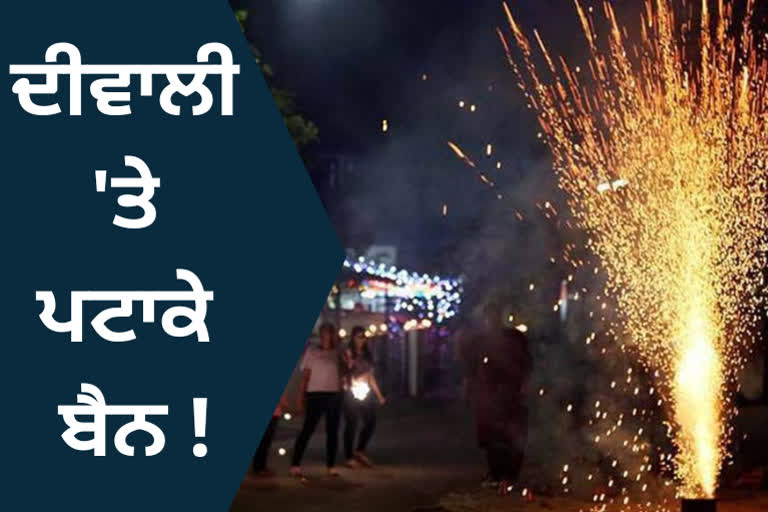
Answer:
(426, 461)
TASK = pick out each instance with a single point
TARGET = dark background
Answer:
(353, 63)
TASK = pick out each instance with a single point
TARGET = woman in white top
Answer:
(320, 395)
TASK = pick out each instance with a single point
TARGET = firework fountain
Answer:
(679, 118)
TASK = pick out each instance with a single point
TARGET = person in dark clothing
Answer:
(259, 464)
(320, 395)
(361, 393)
(500, 367)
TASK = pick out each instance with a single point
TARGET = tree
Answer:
(301, 129)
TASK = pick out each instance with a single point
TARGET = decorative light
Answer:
(410, 291)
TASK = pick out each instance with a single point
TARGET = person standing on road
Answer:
(259, 464)
(320, 395)
(500, 368)
(361, 393)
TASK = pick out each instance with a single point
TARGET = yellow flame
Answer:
(698, 376)
(683, 240)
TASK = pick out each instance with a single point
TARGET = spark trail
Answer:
(683, 241)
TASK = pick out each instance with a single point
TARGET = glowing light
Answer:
(360, 389)
(287, 417)
(459, 153)
(417, 293)
(343, 333)
(612, 185)
(663, 155)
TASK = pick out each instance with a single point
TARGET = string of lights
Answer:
(427, 297)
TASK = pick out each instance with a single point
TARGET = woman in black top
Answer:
(361, 392)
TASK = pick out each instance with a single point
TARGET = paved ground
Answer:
(425, 463)
(747, 502)
(420, 454)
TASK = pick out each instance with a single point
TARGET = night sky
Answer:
(353, 63)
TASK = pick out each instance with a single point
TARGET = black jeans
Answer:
(260, 458)
(320, 404)
(504, 461)
(506, 453)
(355, 411)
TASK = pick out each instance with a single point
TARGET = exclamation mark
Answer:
(101, 181)
(199, 409)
